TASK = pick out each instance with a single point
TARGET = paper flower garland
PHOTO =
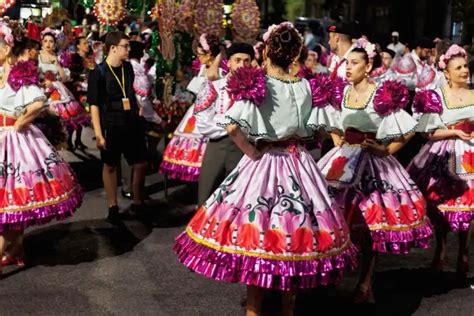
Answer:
(245, 20)
(210, 15)
(110, 12)
(185, 17)
(5, 5)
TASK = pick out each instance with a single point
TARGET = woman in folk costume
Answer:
(183, 156)
(382, 204)
(60, 99)
(271, 224)
(444, 168)
(82, 62)
(36, 184)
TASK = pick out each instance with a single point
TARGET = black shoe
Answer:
(114, 215)
(126, 195)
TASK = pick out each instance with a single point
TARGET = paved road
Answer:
(85, 266)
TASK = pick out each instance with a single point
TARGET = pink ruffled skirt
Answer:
(380, 202)
(271, 224)
(72, 114)
(36, 184)
(183, 155)
(448, 193)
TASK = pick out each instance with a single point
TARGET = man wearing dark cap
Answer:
(396, 46)
(388, 56)
(340, 42)
(221, 155)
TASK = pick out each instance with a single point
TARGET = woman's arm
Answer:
(240, 139)
(212, 73)
(381, 150)
(440, 134)
(32, 111)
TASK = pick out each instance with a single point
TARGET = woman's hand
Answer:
(338, 140)
(375, 148)
(461, 135)
(20, 125)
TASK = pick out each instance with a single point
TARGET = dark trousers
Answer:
(220, 158)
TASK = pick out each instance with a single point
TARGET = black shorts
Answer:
(127, 141)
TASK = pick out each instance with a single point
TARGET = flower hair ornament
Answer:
(6, 33)
(203, 42)
(257, 48)
(49, 30)
(453, 51)
(285, 36)
(367, 46)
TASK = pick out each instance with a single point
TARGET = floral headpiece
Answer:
(6, 33)
(367, 46)
(203, 42)
(257, 48)
(275, 27)
(49, 30)
(453, 51)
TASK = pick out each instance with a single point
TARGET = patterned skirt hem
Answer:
(181, 172)
(20, 220)
(266, 273)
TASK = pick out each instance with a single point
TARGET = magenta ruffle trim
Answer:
(42, 215)
(76, 122)
(265, 273)
(458, 221)
(401, 242)
(184, 173)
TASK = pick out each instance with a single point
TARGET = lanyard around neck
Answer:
(121, 83)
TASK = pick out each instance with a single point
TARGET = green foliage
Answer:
(463, 11)
(294, 9)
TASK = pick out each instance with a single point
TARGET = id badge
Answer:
(126, 104)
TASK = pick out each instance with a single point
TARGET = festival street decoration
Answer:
(209, 17)
(245, 20)
(110, 12)
(5, 5)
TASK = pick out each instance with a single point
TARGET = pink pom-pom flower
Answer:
(427, 101)
(391, 97)
(196, 66)
(65, 59)
(337, 92)
(248, 83)
(23, 73)
(305, 73)
(321, 90)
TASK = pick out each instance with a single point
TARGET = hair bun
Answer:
(284, 44)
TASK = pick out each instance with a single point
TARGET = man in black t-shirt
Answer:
(117, 125)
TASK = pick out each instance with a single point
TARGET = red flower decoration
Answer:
(56, 187)
(3, 198)
(468, 161)
(274, 241)
(40, 192)
(223, 234)
(373, 214)
(248, 237)
(302, 241)
(337, 168)
(198, 221)
(21, 196)
(391, 216)
(406, 214)
(324, 239)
